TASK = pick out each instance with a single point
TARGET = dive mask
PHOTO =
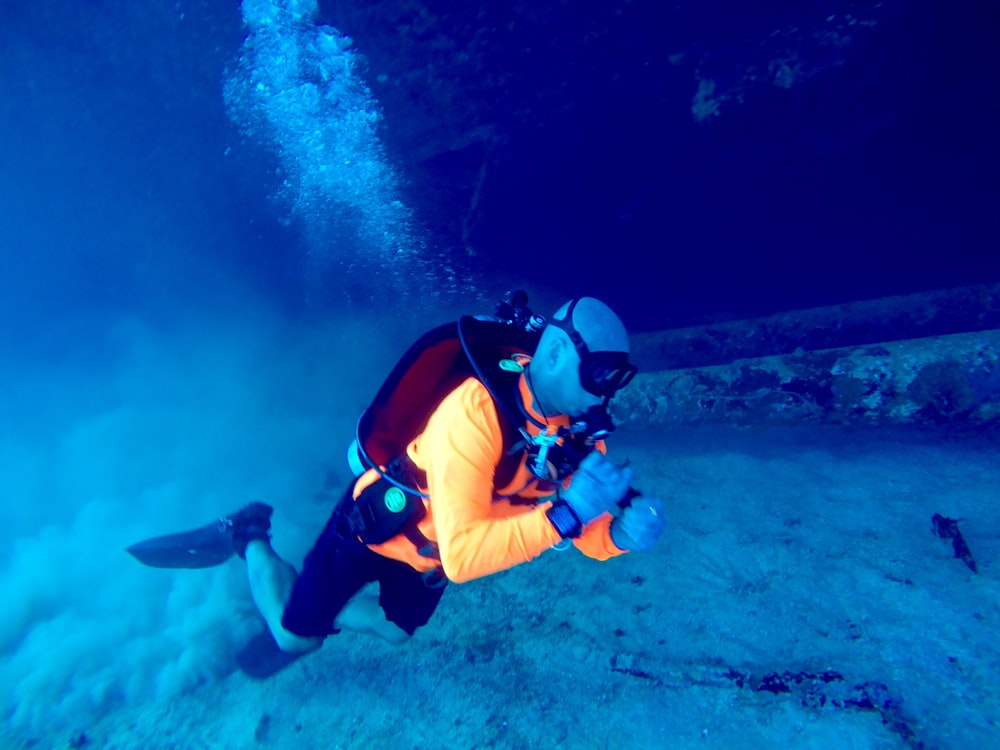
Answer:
(601, 373)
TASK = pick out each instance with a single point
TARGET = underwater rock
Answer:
(940, 380)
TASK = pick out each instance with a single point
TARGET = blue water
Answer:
(211, 250)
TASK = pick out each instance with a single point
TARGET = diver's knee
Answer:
(294, 644)
(362, 614)
(395, 634)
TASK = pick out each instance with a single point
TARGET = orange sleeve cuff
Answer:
(595, 541)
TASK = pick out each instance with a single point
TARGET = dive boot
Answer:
(248, 524)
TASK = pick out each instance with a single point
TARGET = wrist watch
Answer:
(564, 520)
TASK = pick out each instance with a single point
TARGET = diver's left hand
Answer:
(640, 525)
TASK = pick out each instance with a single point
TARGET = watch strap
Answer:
(564, 520)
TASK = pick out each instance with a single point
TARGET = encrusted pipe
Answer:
(951, 380)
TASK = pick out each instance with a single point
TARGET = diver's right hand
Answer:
(598, 485)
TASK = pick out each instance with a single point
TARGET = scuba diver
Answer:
(482, 449)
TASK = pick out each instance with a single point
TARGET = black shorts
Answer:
(337, 567)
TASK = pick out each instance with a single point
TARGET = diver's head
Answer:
(581, 359)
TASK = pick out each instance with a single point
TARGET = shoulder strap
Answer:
(490, 347)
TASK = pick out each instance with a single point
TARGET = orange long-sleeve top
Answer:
(477, 528)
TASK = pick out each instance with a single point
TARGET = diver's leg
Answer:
(328, 590)
(327, 596)
(271, 581)
(362, 614)
(406, 600)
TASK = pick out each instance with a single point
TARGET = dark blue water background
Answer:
(127, 188)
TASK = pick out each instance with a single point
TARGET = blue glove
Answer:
(597, 487)
(640, 525)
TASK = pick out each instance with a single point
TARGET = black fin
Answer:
(261, 657)
(201, 548)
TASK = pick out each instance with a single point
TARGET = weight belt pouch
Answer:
(383, 511)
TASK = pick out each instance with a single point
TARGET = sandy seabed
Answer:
(798, 599)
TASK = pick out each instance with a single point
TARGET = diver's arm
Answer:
(463, 445)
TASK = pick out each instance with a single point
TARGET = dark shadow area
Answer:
(851, 161)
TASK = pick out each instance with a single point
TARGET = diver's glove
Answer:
(597, 487)
(640, 525)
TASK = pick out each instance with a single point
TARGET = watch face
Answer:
(564, 520)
